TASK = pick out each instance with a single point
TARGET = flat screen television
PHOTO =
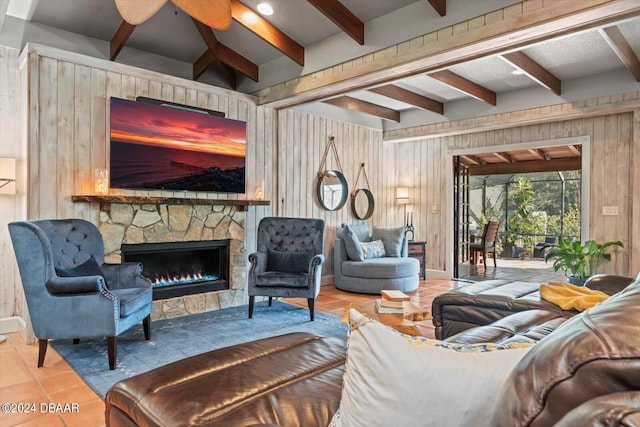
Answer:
(155, 147)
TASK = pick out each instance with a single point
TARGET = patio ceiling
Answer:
(547, 159)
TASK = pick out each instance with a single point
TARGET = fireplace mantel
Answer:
(106, 200)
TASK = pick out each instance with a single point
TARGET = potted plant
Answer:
(579, 261)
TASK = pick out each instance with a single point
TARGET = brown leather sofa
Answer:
(482, 303)
(583, 371)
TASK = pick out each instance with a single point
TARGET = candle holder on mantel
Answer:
(259, 193)
(101, 181)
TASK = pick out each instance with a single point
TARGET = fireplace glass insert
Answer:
(182, 268)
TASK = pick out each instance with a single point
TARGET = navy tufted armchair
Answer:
(288, 260)
(70, 292)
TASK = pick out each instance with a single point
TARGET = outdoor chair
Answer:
(540, 249)
(487, 244)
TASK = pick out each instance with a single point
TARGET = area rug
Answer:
(177, 338)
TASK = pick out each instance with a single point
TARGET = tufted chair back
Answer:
(73, 241)
(291, 235)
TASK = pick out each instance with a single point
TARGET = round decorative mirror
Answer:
(362, 203)
(332, 190)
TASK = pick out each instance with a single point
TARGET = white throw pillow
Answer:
(392, 379)
(374, 249)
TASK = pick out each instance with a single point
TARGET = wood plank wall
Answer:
(11, 206)
(613, 180)
(69, 126)
(302, 141)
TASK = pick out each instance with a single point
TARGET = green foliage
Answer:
(579, 260)
(520, 222)
(534, 206)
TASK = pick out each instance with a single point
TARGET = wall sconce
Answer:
(7, 175)
(101, 181)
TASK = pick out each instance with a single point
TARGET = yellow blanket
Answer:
(568, 296)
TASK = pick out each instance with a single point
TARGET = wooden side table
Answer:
(418, 250)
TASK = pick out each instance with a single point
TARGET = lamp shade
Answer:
(402, 195)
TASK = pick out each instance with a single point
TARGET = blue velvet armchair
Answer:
(71, 293)
(288, 260)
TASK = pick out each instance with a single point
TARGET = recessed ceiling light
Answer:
(265, 9)
(517, 72)
(250, 17)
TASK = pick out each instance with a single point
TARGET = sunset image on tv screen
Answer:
(165, 148)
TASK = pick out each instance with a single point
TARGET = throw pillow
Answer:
(361, 230)
(351, 243)
(398, 380)
(88, 268)
(393, 238)
(288, 262)
(374, 249)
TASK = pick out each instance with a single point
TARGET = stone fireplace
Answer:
(140, 223)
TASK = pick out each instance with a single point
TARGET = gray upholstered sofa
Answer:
(353, 271)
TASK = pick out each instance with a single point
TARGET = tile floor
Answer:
(21, 381)
(534, 270)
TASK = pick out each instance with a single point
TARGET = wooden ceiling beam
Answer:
(534, 70)
(208, 59)
(464, 85)
(221, 56)
(470, 160)
(409, 97)
(440, 6)
(565, 164)
(575, 149)
(504, 157)
(120, 39)
(342, 17)
(539, 154)
(266, 31)
(621, 47)
(358, 105)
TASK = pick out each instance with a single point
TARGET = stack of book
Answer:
(391, 301)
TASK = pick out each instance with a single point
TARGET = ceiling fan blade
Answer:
(135, 12)
(214, 13)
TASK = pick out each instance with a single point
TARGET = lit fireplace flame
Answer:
(183, 280)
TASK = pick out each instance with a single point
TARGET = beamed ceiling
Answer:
(237, 55)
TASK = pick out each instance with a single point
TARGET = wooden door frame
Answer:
(584, 141)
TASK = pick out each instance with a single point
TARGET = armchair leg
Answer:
(42, 350)
(146, 325)
(252, 299)
(111, 351)
(270, 300)
(495, 264)
(311, 302)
